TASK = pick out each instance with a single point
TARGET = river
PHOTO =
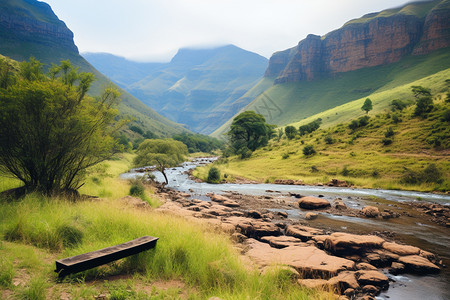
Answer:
(408, 228)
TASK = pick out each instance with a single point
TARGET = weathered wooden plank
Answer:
(100, 257)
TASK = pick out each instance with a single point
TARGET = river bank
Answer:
(278, 204)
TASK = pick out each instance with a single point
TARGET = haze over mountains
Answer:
(198, 87)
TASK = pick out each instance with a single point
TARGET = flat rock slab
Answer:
(93, 259)
(309, 260)
(313, 203)
(304, 233)
(340, 242)
(401, 249)
(372, 277)
(282, 241)
(418, 264)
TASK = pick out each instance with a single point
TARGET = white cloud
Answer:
(155, 29)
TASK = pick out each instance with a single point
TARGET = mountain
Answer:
(374, 53)
(198, 87)
(30, 28)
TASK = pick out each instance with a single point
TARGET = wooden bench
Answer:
(97, 258)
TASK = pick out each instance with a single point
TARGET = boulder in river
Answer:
(418, 264)
(340, 242)
(370, 211)
(313, 203)
(375, 278)
(401, 249)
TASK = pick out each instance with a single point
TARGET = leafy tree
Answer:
(398, 105)
(308, 150)
(367, 106)
(424, 102)
(137, 129)
(163, 154)
(50, 130)
(420, 91)
(290, 132)
(248, 132)
(198, 142)
(280, 133)
(213, 175)
(310, 127)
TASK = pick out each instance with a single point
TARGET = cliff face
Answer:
(373, 40)
(33, 21)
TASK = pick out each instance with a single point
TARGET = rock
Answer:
(226, 227)
(254, 214)
(230, 203)
(370, 211)
(340, 242)
(308, 261)
(282, 241)
(344, 280)
(311, 216)
(302, 232)
(238, 237)
(259, 229)
(337, 183)
(370, 289)
(386, 215)
(219, 198)
(397, 268)
(313, 203)
(365, 266)
(282, 214)
(349, 292)
(372, 278)
(428, 255)
(313, 283)
(418, 264)
(401, 249)
(339, 204)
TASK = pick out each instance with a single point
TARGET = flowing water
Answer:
(408, 229)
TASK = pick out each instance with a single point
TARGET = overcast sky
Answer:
(153, 30)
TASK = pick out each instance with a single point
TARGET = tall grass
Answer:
(202, 258)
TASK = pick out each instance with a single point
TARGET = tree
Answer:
(367, 106)
(290, 132)
(424, 102)
(308, 150)
(420, 91)
(50, 130)
(310, 127)
(163, 154)
(248, 132)
(279, 134)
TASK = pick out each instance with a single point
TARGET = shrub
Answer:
(137, 129)
(424, 105)
(396, 118)
(213, 175)
(137, 189)
(446, 115)
(309, 150)
(431, 174)
(310, 127)
(398, 105)
(329, 140)
(314, 169)
(386, 141)
(70, 235)
(375, 173)
(389, 132)
(285, 155)
(290, 132)
(345, 171)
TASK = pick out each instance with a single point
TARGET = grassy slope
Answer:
(191, 260)
(297, 101)
(369, 163)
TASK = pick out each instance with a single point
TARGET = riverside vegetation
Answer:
(397, 148)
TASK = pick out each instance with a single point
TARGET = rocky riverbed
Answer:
(355, 266)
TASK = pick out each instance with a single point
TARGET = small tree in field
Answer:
(162, 154)
(50, 130)
(290, 132)
(367, 106)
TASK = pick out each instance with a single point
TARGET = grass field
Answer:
(190, 261)
(357, 156)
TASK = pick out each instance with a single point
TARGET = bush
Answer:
(285, 155)
(386, 141)
(310, 127)
(431, 174)
(396, 118)
(137, 189)
(290, 132)
(389, 132)
(345, 171)
(398, 105)
(70, 235)
(329, 140)
(314, 169)
(213, 175)
(446, 115)
(309, 150)
(424, 105)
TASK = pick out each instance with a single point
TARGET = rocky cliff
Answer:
(373, 40)
(34, 21)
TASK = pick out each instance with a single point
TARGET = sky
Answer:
(153, 30)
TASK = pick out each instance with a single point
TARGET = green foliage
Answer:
(198, 142)
(163, 154)
(420, 91)
(137, 129)
(285, 155)
(249, 132)
(367, 106)
(310, 127)
(345, 171)
(290, 132)
(386, 141)
(398, 105)
(137, 189)
(446, 115)
(431, 174)
(329, 140)
(360, 122)
(308, 150)
(150, 135)
(389, 132)
(213, 175)
(36, 290)
(70, 235)
(280, 133)
(424, 105)
(6, 273)
(396, 118)
(51, 131)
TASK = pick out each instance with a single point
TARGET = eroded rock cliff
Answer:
(373, 40)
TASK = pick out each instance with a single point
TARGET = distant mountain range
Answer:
(30, 28)
(198, 87)
(374, 53)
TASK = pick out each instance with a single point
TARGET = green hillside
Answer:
(395, 150)
(56, 44)
(287, 103)
(201, 88)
